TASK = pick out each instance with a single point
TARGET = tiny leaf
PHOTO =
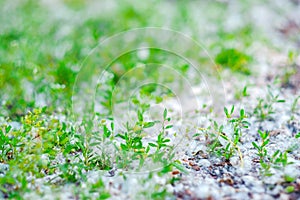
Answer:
(165, 113)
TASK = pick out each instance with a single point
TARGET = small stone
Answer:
(249, 180)
(204, 163)
(204, 191)
(235, 161)
(175, 172)
(196, 167)
(227, 181)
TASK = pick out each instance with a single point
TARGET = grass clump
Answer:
(234, 59)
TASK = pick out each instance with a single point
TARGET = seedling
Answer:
(265, 107)
(161, 144)
(237, 124)
(244, 93)
(261, 149)
(278, 160)
(134, 144)
(226, 144)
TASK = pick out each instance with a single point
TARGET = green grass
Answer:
(42, 49)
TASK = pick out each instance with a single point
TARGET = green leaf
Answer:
(166, 140)
(289, 178)
(8, 128)
(124, 147)
(242, 113)
(216, 125)
(227, 147)
(226, 112)
(290, 189)
(158, 99)
(264, 165)
(276, 153)
(165, 113)
(104, 195)
(236, 139)
(196, 134)
(265, 143)
(224, 137)
(167, 169)
(232, 109)
(280, 101)
(260, 133)
(180, 167)
(246, 123)
(135, 101)
(148, 124)
(140, 116)
(112, 126)
(121, 136)
(245, 93)
(169, 126)
(106, 132)
(147, 149)
(256, 146)
(152, 145)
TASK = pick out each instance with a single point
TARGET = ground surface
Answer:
(205, 104)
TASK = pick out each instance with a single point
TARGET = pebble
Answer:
(204, 163)
(228, 190)
(249, 180)
(235, 161)
(204, 191)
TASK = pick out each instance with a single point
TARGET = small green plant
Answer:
(161, 143)
(133, 143)
(8, 144)
(225, 143)
(235, 60)
(262, 152)
(244, 93)
(289, 70)
(261, 149)
(103, 142)
(278, 160)
(265, 107)
(238, 124)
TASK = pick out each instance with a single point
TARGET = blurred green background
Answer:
(42, 43)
